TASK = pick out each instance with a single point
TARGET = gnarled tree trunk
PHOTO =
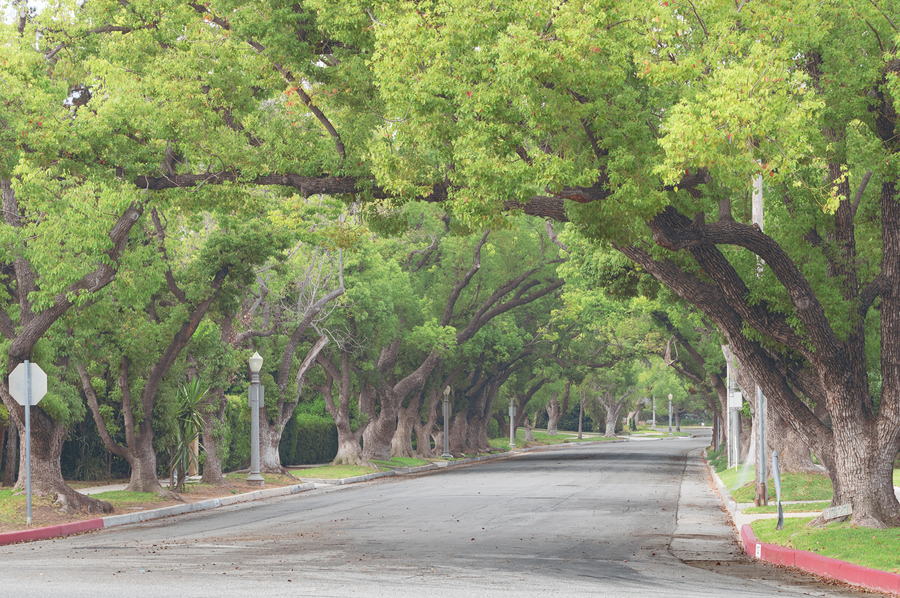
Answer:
(47, 438)
(212, 412)
(554, 414)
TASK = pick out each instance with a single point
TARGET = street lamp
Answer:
(670, 413)
(447, 454)
(256, 391)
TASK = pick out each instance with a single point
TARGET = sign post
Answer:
(28, 385)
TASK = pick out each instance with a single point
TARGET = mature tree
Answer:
(649, 120)
(138, 330)
(656, 131)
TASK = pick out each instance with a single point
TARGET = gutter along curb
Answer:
(873, 579)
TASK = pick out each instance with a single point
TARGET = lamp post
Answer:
(254, 479)
(447, 454)
(670, 413)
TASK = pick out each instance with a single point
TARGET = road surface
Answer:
(630, 519)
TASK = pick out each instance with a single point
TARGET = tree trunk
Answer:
(677, 419)
(529, 435)
(501, 423)
(459, 432)
(424, 432)
(47, 439)
(715, 431)
(212, 413)
(378, 435)
(12, 456)
(580, 416)
(476, 435)
(401, 442)
(269, 439)
(437, 436)
(349, 451)
(142, 459)
(554, 413)
(612, 414)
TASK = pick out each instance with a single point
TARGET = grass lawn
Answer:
(794, 486)
(803, 507)
(121, 499)
(544, 438)
(402, 462)
(333, 472)
(878, 549)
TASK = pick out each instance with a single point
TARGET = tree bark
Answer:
(401, 443)
(212, 412)
(529, 435)
(425, 431)
(12, 455)
(349, 451)
(554, 413)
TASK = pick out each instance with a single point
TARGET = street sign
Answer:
(17, 385)
(27, 385)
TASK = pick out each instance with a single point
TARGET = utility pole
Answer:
(762, 497)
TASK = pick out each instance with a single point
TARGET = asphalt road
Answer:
(633, 519)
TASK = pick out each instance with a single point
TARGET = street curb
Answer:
(53, 531)
(66, 529)
(873, 579)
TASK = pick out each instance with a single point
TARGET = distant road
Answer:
(595, 520)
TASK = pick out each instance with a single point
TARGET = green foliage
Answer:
(189, 424)
(237, 436)
(493, 429)
(308, 440)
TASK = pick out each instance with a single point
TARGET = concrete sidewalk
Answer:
(810, 562)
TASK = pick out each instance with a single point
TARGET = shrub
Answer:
(308, 439)
(493, 429)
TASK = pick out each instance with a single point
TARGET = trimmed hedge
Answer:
(308, 439)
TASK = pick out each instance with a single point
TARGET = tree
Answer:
(657, 138)
(641, 123)
(139, 330)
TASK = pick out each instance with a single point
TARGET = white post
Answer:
(512, 424)
(446, 454)
(28, 442)
(757, 215)
(670, 413)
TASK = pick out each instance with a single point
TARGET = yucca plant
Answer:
(189, 424)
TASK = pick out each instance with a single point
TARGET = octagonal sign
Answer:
(38, 384)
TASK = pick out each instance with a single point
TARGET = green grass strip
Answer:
(333, 472)
(803, 507)
(402, 462)
(877, 549)
(123, 498)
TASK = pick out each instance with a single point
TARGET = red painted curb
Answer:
(53, 531)
(819, 565)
